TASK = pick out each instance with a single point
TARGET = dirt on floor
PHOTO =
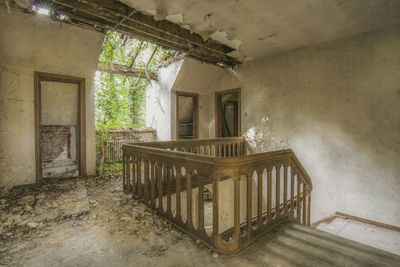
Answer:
(91, 222)
(84, 221)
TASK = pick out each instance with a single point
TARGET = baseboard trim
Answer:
(329, 219)
(338, 214)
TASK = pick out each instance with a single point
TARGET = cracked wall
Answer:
(187, 75)
(29, 44)
(337, 105)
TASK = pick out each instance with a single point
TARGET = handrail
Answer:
(168, 176)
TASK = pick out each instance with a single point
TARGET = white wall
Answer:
(337, 105)
(199, 78)
(29, 44)
(186, 75)
(158, 101)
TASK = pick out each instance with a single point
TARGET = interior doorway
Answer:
(227, 105)
(187, 115)
(59, 126)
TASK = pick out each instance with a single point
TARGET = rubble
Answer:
(32, 225)
(30, 215)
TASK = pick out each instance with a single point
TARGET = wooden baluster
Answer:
(153, 186)
(292, 174)
(132, 175)
(229, 150)
(146, 182)
(160, 188)
(134, 182)
(259, 196)
(278, 190)
(124, 187)
(285, 187)
(189, 219)
(200, 205)
(269, 194)
(298, 206)
(236, 211)
(168, 173)
(308, 208)
(304, 204)
(128, 173)
(215, 222)
(178, 193)
(249, 177)
(139, 179)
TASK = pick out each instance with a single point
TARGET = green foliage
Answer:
(120, 99)
(112, 169)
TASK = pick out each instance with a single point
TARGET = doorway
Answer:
(227, 105)
(59, 126)
(187, 115)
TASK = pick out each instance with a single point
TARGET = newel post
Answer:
(236, 211)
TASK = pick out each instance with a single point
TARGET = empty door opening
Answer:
(59, 126)
(227, 120)
(187, 115)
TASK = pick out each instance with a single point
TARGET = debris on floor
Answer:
(31, 213)
(91, 222)
(26, 208)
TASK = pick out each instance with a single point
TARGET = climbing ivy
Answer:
(120, 99)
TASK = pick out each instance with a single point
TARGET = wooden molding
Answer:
(195, 116)
(81, 137)
(338, 214)
(217, 96)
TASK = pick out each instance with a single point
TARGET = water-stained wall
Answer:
(186, 75)
(35, 43)
(337, 105)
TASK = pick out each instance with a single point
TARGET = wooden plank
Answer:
(124, 70)
(103, 15)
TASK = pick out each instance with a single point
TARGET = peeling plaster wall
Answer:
(29, 44)
(259, 28)
(186, 75)
(337, 105)
(199, 78)
(158, 101)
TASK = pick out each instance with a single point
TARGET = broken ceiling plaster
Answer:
(206, 25)
(264, 28)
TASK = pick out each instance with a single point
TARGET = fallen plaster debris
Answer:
(36, 217)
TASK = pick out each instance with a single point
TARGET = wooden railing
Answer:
(251, 194)
(113, 150)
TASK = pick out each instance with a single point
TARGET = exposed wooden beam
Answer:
(103, 15)
(124, 70)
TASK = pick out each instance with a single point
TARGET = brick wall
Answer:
(54, 139)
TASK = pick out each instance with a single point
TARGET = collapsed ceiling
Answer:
(227, 32)
(103, 15)
(260, 28)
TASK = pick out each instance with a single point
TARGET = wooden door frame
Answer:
(195, 117)
(81, 123)
(217, 119)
